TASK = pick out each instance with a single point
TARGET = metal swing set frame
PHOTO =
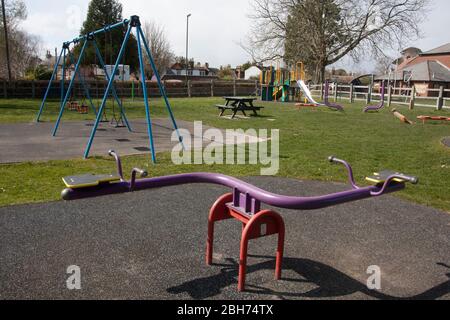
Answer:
(130, 24)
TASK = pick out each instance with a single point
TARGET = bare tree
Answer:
(160, 48)
(322, 32)
(384, 64)
(16, 11)
(24, 47)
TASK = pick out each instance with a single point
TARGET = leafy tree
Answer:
(40, 72)
(100, 14)
(182, 60)
(247, 65)
(226, 73)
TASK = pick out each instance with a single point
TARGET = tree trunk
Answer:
(319, 74)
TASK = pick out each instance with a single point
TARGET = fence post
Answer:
(389, 96)
(369, 94)
(138, 90)
(321, 91)
(33, 89)
(189, 89)
(413, 98)
(256, 87)
(336, 89)
(440, 100)
(212, 88)
(5, 90)
(352, 98)
(234, 87)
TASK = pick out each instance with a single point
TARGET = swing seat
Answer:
(83, 109)
(382, 176)
(89, 180)
(73, 106)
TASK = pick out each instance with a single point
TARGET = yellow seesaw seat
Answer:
(381, 177)
(89, 180)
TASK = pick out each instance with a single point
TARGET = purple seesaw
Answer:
(327, 102)
(244, 203)
(381, 104)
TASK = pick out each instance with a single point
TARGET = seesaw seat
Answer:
(382, 176)
(89, 180)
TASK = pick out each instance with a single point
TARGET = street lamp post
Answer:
(5, 27)
(187, 46)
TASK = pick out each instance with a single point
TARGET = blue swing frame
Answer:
(132, 23)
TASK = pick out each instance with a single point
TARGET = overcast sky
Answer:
(216, 26)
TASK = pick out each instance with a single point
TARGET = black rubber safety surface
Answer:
(151, 245)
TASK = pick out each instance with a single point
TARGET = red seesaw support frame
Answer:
(265, 223)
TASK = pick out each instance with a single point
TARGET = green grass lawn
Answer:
(370, 142)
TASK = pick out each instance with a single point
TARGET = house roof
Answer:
(429, 71)
(410, 49)
(439, 50)
(178, 66)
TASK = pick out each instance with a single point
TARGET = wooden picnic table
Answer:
(239, 104)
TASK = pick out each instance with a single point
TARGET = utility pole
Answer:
(56, 61)
(5, 27)
(187, 46)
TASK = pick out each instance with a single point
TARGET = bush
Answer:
(41, 72)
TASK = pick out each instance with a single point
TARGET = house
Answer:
(178, 72)
(252, 72)
(122, 74)
(423, 70)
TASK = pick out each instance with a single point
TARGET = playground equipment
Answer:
(243, 204)
(401, 117)
(424, 119)
(308, 96)
(266, 80)
(313, 103)
(381, 104)
(90, 38)
(278, 84)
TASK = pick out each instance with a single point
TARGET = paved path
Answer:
(151, 245)
(33, 141)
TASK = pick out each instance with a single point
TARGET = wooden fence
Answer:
(213, 88)
(437, 98)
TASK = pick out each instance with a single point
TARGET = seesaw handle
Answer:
(411, 179)
(351, 177)
(114, 154)
(134, 173)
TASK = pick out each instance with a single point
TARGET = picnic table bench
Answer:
(238, 104)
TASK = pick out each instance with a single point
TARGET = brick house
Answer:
(423, 70)
(178, 72)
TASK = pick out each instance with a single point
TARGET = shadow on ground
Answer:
(329, 282)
